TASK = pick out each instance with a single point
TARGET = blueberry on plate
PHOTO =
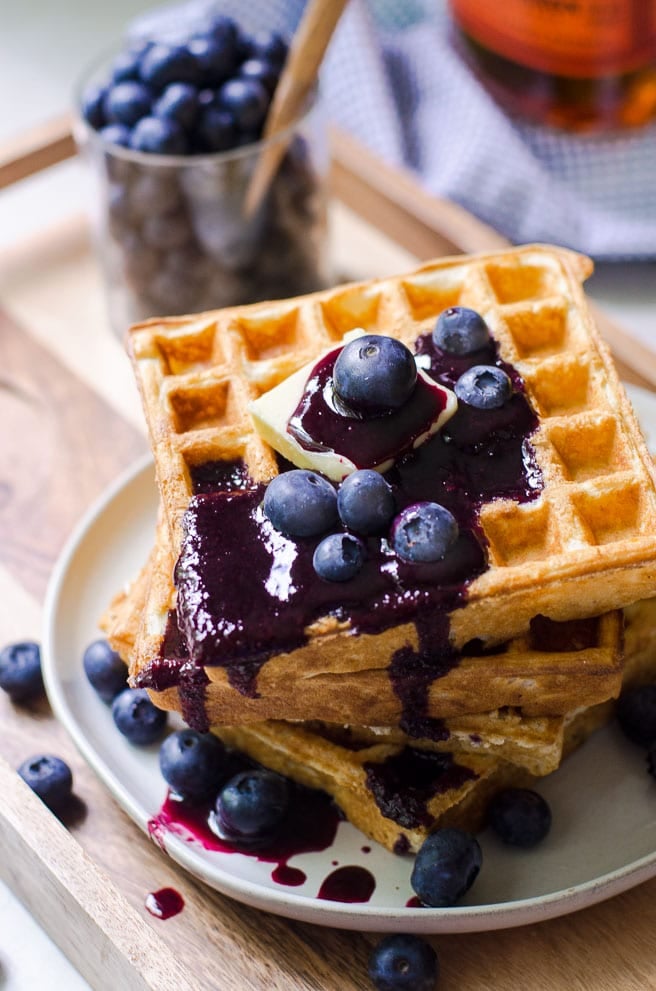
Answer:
(250, 808)
(424, 532)
(126, 65)
(105, 670)
(520, 817)
(300, 503)
(137, 718)
(194, 765)
(116, 134)
(159, 136)
(49, 777)
(365, 502)
(164, 64)
(338, 557)
(460, 330)
(403, 962)
(93, 106)
(374, 374)
(246, 100)
(445, 867)
(128, 102)
(484, 387)
(20, 671)
(636, 714)
(179, 102)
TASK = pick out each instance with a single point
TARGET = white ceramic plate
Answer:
(603, 838)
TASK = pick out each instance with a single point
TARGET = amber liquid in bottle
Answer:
(583, 65)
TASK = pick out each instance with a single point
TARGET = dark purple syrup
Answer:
(310, 826)
(318, 425)
(403, 785)
(246, 592)
(165, 903)
(348, 884)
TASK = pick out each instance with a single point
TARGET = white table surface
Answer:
(43, 48)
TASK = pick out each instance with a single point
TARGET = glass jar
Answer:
(172, 234)
(583, 65)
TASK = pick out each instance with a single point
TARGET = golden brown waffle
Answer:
(533, 742)
(553, 669)
(307, 756)
(586, 546)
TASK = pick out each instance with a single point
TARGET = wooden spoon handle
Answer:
(305, 55)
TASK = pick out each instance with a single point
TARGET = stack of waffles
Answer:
(410, 695)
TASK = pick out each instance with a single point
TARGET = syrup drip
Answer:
(165, 903)
(348, 884)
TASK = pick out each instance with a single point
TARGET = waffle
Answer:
(555, 668)
(452, 793)
(586, 546)
(533, 742)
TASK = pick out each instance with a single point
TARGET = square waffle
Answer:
(585, 546)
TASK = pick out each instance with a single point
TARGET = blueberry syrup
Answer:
(414, 902)
(165, 903)
(477, 456)
(319, 425)
(310, 827)
(403, 785)
(348, 884)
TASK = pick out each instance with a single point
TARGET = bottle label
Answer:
(575, 38)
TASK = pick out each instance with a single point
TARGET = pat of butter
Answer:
(272, 411)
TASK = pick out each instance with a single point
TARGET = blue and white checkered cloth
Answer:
(393, 79)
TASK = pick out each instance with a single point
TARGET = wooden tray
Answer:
(71, 422)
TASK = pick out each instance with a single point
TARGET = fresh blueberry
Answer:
(216, 130)
(374, 374)
(300, 503)
(223, 29)
(105, 670)
(194, 765)
(272, 49)
(137, 718)
(338, 557)
(424, 532)
(247, 101)
(158, 136)
(636, 714)
(403, 962)
(127, 102)
(93, 106)
(20, 671)
(250, 808)
(460, 331)
(164, 64)
(116, 134)
(49, 777)
(217, 60)
(445, 868)
(262, 72)
(520, 817)
(126, 65)
(365, 502)
(484, 387)
(179, 102)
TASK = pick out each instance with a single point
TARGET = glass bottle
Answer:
(583, 65)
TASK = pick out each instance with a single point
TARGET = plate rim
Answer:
(456, 919)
